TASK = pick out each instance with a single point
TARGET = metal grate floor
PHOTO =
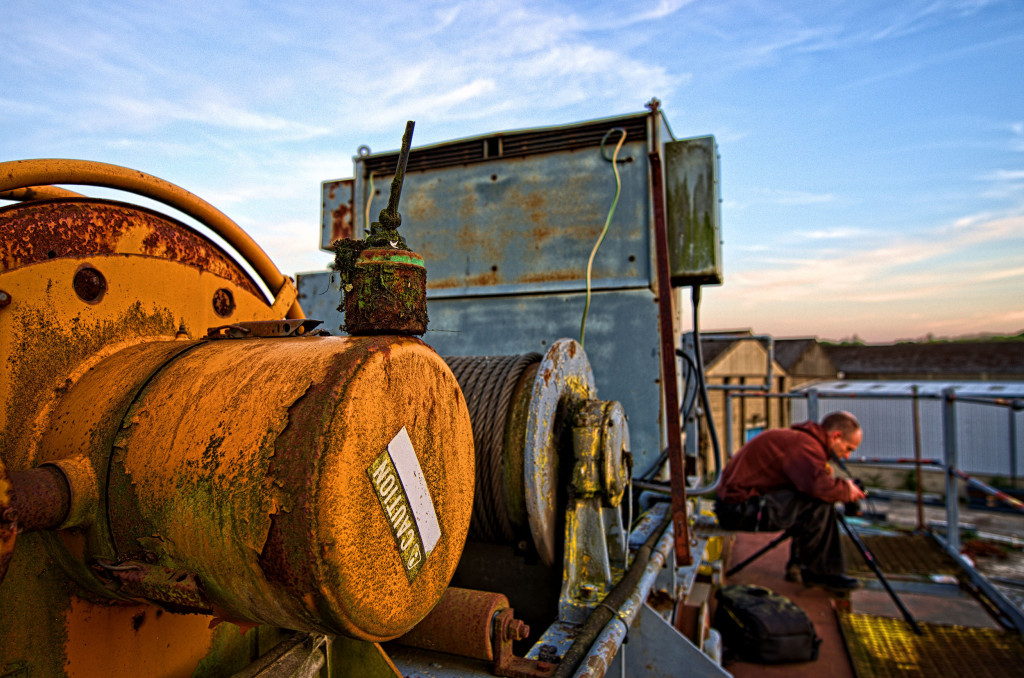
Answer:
(911, 554)
(881, 646)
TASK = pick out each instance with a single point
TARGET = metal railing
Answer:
(950, 463)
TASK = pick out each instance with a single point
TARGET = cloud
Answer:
(901, 268)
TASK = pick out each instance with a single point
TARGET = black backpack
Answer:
(760, 626)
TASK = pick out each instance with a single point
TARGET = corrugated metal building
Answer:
(885, 410)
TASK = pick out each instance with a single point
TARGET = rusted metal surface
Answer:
(463, 623)
(669, 372)
(508, 629)
(174, 590)
(336, 211)
(42, 499)
(8, 533)
(35, 232)
(62, 396)
(388, 295)
(514, 223)
(563, 383)
(261, 487)
(26, 173)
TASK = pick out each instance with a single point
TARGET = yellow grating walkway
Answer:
(910, 554)
(880, 646)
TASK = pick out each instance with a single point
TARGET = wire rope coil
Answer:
(488, 383)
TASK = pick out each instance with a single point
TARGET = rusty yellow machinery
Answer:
(178, 452)
(196, 480)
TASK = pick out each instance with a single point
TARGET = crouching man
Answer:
(781, 480)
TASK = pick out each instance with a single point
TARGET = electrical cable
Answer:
(369, 201)
(607, 221)
(702, 381)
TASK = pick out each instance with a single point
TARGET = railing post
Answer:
(1013, 408)
(916, 405)
(952, 485)
(728, 426)
(812, 404)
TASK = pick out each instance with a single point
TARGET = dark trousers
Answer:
(817, 544)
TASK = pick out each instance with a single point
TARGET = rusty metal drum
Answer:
(313, 483)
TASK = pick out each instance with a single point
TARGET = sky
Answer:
(872, 151)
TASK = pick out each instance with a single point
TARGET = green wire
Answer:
(607, 222)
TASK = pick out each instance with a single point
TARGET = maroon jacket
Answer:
(779, 458)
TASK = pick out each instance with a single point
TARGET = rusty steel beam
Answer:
(669, 375)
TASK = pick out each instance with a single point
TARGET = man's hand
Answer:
(856, 494)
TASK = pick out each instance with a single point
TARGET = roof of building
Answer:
(789, 351)
(989, 357)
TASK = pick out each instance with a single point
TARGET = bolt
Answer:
(516, 630)
(10, 515)
(5, 299)
(586, 591)
(547, 653)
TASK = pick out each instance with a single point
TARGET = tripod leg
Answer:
(869, 558)
(764, 549)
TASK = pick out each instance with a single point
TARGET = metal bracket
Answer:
(285, 298)
(262, 328)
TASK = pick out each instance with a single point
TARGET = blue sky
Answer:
(872, 151)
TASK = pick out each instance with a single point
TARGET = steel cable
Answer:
(488, 382)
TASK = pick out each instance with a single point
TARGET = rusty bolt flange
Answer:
(223, 302)
(388, 295)
(5, 299)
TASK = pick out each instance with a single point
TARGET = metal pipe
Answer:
(42, 499)
(617, 599)
(38, 193)
(30, 173)
(1007, 608)
(812, 404)
(728, 425)
(1013, 445)
(608, 643)
(952, 484)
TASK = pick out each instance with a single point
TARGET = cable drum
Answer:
(488, 383)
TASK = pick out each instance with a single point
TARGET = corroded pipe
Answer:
(42, 499)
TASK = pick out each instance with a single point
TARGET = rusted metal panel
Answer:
(522, 222)
(693, 211)
(337, 219)
(36, 232)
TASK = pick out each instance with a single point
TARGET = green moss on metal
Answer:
(44, 352)
(33, 627)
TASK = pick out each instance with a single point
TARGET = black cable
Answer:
(602, 614)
